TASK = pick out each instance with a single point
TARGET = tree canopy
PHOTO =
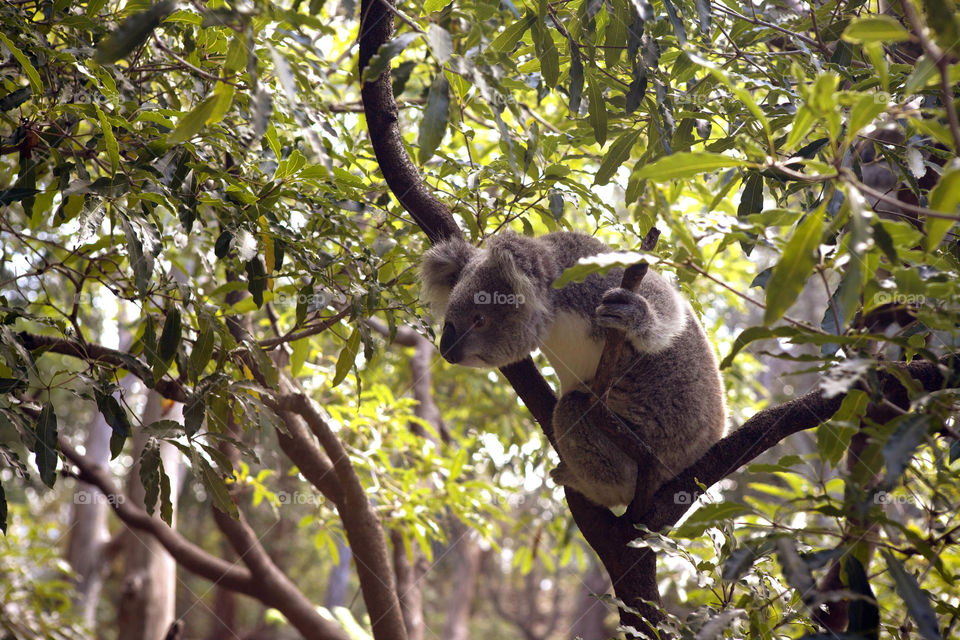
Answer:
(222, 205)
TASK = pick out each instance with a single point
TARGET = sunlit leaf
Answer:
(435, 117)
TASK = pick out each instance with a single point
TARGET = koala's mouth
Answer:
(474, 361)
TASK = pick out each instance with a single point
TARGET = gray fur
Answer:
(668, 391)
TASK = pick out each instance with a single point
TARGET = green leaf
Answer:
(687, 164)
(435, 117)
(864, 112)
(150, 474)
(256, 280)
(24, 61)
(676, 22)
(141, 263)
(616, 155)
(169, 342)
(508, 38)
(751, 200)
(298, 357)
(15, 98)
(601, 264)
(166, 506)
(916, 599)
(201, 354)
(547, 53)
(576, 79)
(133, 32)
(191, 123)
(109, 140)
(803, 121)
(431, 6)
(795, 265)
(236, 58)
(223, 100)
(348, 356)
(883, 29)
(46, 446)
(217, 487)
(707, 516)
(911, 431)
(752, 334)
(12, 385)
(598, 110)
(380, 61)
(944, 197)
(194, 411)
(264, 364)
(115, 416)
(441, 45)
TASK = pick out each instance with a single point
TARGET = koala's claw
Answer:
(620, 309)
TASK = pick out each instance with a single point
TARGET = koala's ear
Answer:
(440, 270)
(515, 257)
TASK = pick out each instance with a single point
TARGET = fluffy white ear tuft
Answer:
(440, 270)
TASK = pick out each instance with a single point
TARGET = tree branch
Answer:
(380, 107)
(274, 588)
(187, 554)
(769, 427)
(364, 531)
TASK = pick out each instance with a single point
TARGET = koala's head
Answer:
(494, 301)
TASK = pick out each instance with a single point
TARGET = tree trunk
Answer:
(88, 527)
(467, 554)
(589, 613)
(409, 585)
(148, 598)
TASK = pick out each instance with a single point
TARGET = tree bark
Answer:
(467, 567)
(148, 596)
(88, 527)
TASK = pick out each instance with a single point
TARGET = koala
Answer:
(498, 306)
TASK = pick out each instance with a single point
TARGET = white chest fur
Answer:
(572, 353)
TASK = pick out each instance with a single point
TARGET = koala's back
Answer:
(673, 398)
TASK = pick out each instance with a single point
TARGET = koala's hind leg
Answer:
(591, 463)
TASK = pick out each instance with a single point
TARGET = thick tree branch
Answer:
(274, 588)
(769, 427)
(187, 554)
(170, 389)
(362, 526)
(380, 108)
(303, 450)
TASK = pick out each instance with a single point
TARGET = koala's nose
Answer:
(449, 344)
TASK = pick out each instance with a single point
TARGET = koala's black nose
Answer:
(449, 344)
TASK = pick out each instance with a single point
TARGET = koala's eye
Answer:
(479, 321)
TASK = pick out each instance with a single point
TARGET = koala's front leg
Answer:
(591, 463)
(650, 321)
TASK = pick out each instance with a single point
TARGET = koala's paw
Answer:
(622, 309)
(562, 475)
